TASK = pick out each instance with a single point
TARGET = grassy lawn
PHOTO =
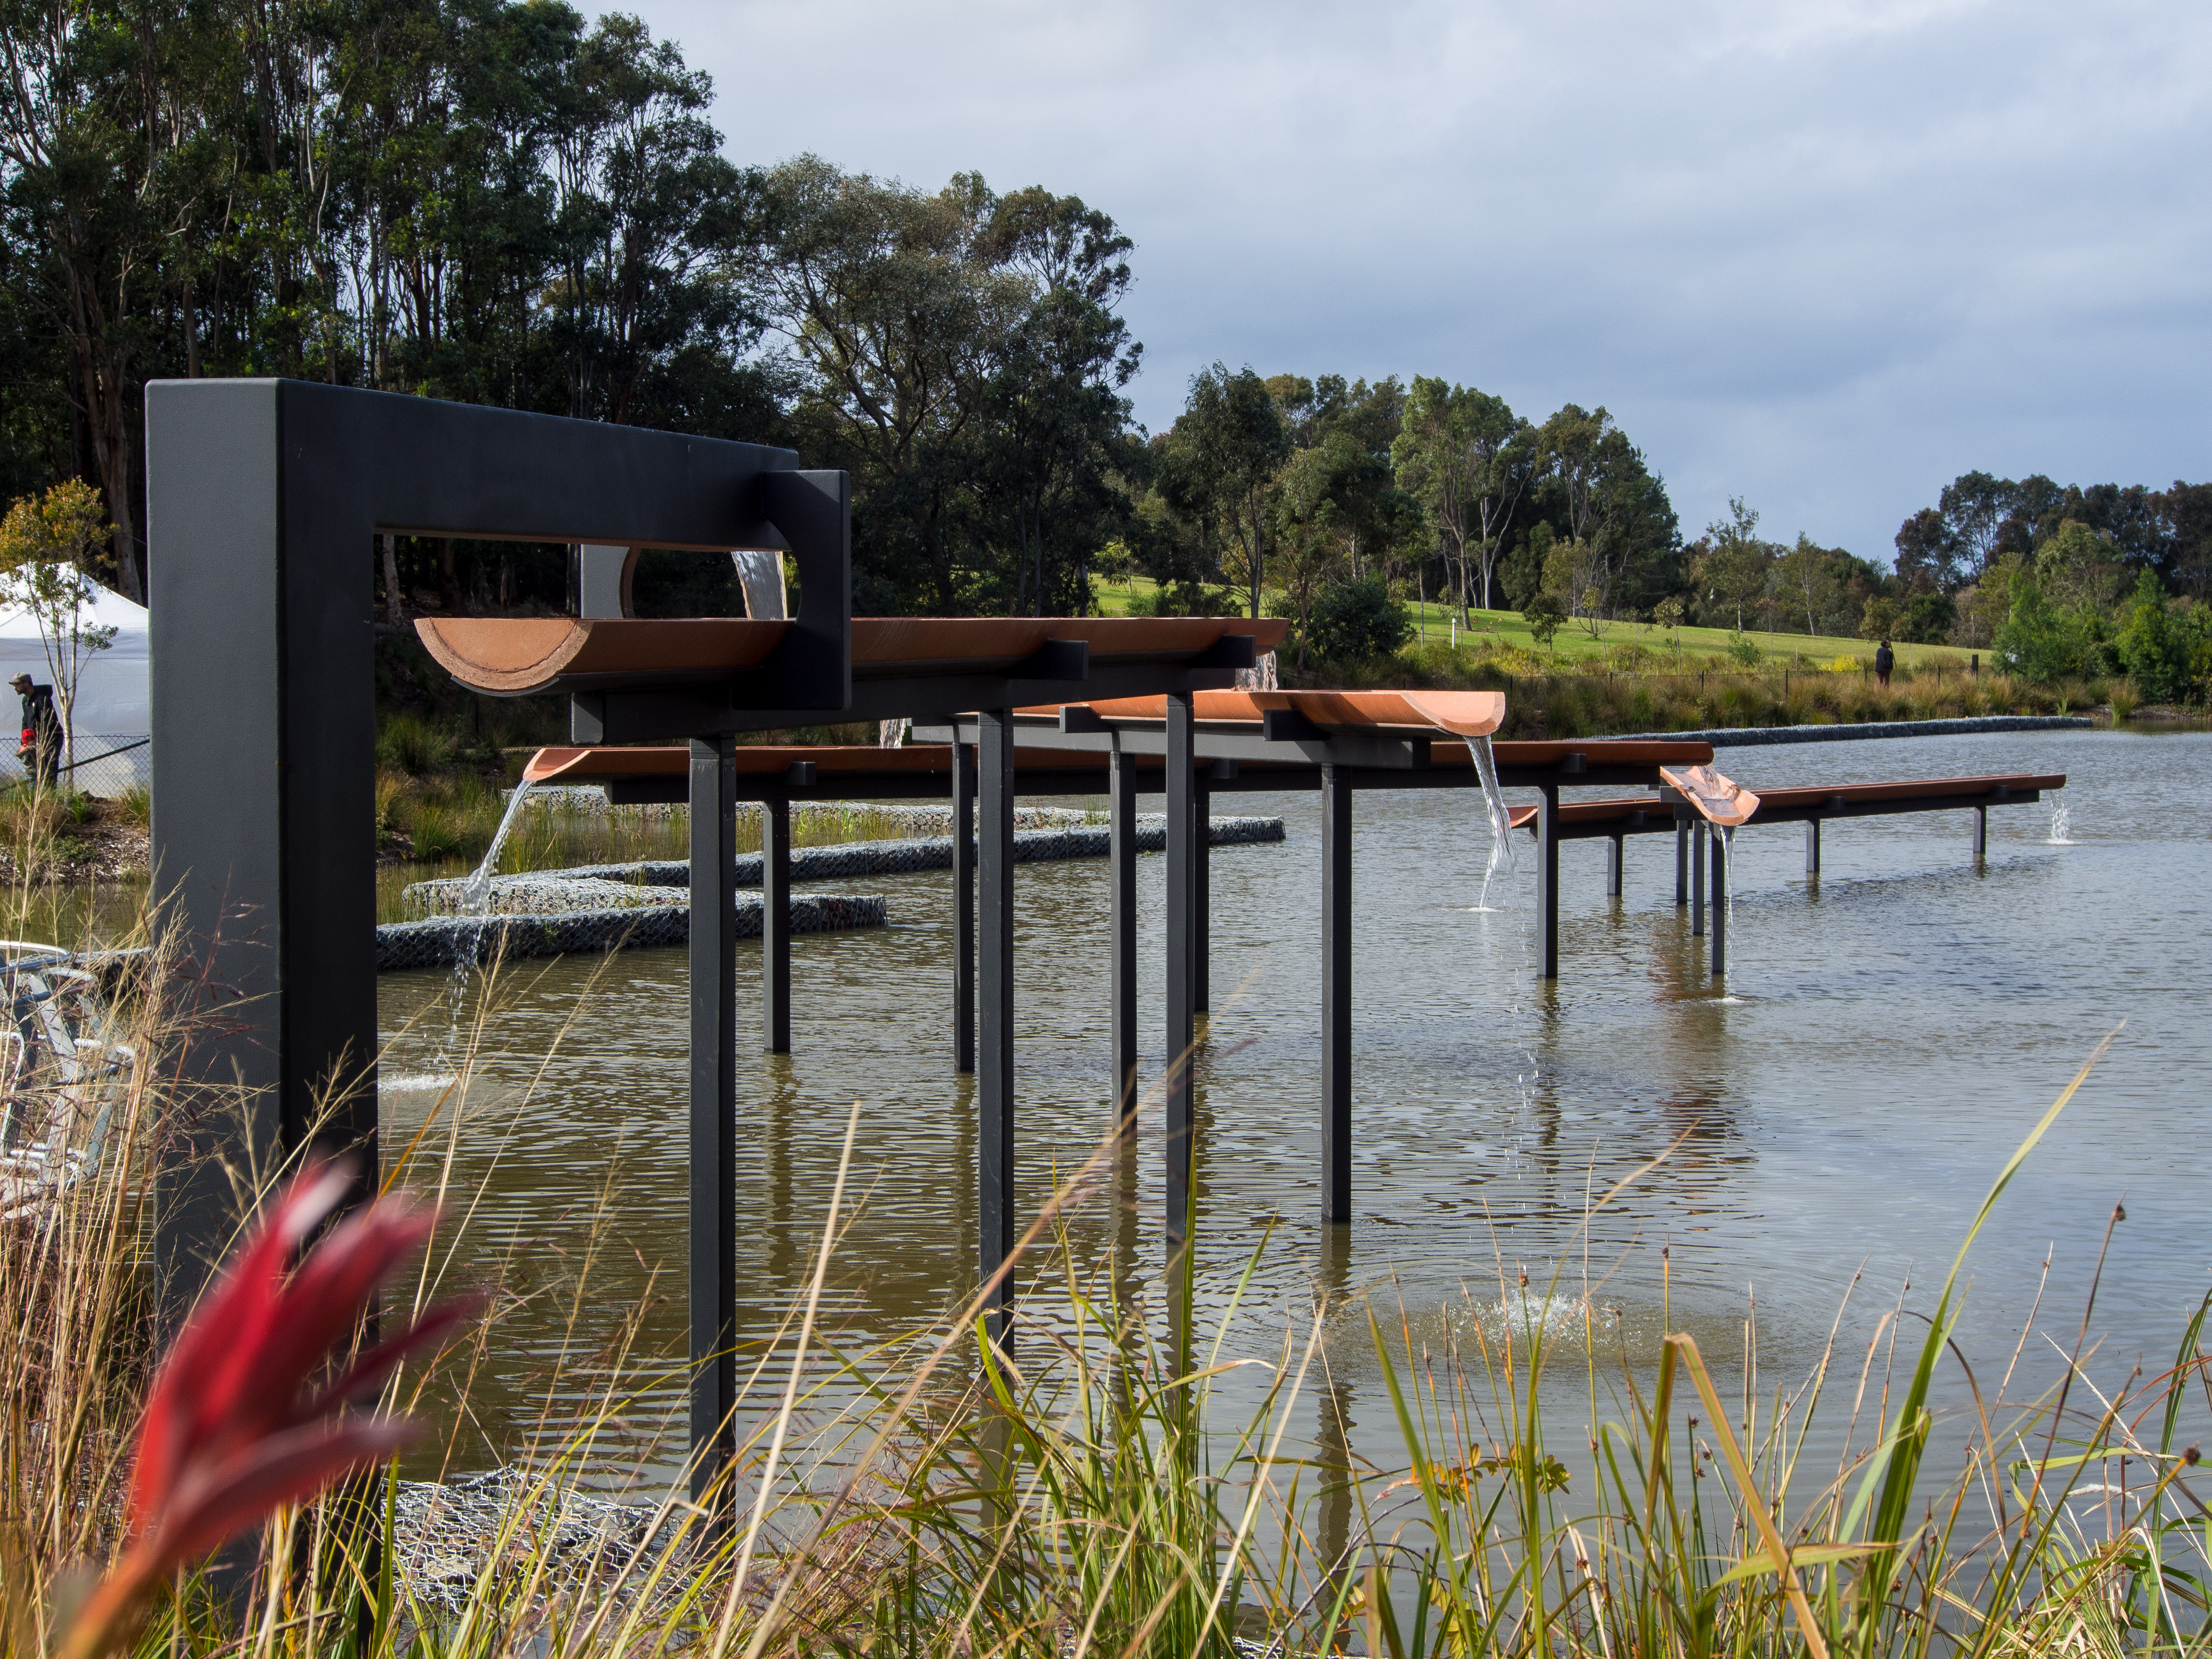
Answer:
(1574, 643)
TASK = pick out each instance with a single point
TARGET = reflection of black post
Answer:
(1812, 847)
(775, 927)
(1335, 995)
(714, 949)
(1681, 864)
(1181, 978)
(994, 1061)
(1720, 903)
(1547, 879)
(963, 906)
(1697, 880)
(1122, 925)
(1202, 901)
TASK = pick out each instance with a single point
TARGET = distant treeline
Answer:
(498, 202)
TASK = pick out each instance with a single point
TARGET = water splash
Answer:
(2059, 825)
(1501, 821)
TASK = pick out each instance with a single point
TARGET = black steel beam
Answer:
(263, 502)
(1201, 896)
(775, 927)
(714, 1155)
(1335, 997)
(1122, 925)
(1719, 841)
(995, 1055)
(1547, 880)
(963, 908)
(1182, 1028)
(1699, 832)
(619, 717)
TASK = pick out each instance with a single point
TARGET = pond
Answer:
(1886, 1038)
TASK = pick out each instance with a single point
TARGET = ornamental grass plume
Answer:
(238, 1423)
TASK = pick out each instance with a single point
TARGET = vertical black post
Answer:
(1681, 864)
(1181, 976)
(994, 1058)
(1720, 903)
(1201, 901)
(1548, 879)
(775, 927)
(963, 905)
(1122, 924)
(1335, 996)
(1615, 846)
(1697, 880)
(1981, 833)
(1812, 847)
(714, 1243)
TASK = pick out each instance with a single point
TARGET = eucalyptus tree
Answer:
(1219, 466)
(1469, 460)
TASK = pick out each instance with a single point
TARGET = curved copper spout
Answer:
(1722, 801)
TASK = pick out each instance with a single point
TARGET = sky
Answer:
(1824, 257)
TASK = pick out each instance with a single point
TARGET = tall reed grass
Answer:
(1088, 1489)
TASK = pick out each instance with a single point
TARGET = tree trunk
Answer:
(395, 606)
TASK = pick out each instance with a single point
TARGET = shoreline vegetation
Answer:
(1093, 1492)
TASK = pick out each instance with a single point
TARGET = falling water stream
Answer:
(2059, 826)
(1501, 821)
(1728, 901)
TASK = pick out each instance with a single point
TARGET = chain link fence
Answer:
(106, 764)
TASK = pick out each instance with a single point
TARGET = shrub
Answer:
(1545, 615)
(1357, 621)
(1742, 648)
(412, 746)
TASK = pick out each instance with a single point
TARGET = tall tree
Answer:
(1468, 459)
(1219, 465)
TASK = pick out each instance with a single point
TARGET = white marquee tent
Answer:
(113, 706)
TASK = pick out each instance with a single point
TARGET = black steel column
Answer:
(1614, 849)
(1201, 902)
(994, 1058)
(1122, 925)
(1335, 996)
(1182, 975)
(714, 1243)
(1681, 864)
(964, 906)
(1720, 903)
(1548, 879)
(1981, 833)
(775, 927)
(1697, 880)
(1812, 847)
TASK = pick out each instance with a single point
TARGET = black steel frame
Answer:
(263, 500)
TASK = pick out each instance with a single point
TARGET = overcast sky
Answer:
(1824, 256)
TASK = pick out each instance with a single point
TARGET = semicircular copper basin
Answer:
(518, 655)
(1461, 713)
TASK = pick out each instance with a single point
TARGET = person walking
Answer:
(41, 750)
(1884, 661)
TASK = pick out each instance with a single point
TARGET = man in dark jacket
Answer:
(1884, 661)
(41, 750)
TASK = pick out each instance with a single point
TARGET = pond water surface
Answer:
(1886, 1038)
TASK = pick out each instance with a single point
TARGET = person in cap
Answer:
(40, 750)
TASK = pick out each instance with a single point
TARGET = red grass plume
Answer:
(239, 1422)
